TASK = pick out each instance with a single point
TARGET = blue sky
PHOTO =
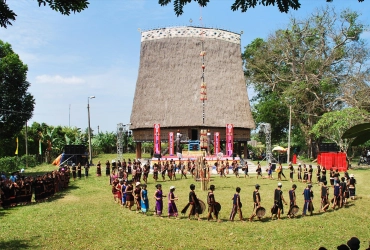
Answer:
(96, 52)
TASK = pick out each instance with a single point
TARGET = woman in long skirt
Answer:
(107, 168)
(158, 195)
(144, 200)
(79, 168)
(98, 169)
(172, 209)
(129, 196)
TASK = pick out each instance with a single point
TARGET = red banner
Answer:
(157, 139)
(171, 144)
(217, 142)
(229, 139)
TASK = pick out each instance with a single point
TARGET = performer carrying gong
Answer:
(213, 206)
(278, 207)
(292, 200)
(256, 202)
(195, 208)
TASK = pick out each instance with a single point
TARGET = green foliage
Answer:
(65, 7)
(16, 104)
(104, 142)
(14, 163)
(332, 125)
(313, 65)
(283, 5)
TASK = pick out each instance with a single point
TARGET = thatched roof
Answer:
(168, 85)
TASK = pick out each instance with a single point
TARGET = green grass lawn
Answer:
(86, 217)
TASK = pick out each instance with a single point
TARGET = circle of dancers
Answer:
(134, 193)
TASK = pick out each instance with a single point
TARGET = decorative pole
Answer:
(203, 87)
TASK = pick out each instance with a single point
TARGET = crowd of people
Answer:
(18, 189)
(129, 192)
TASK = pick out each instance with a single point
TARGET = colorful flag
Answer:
(16, 150)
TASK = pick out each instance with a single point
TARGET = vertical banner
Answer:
(171, 143)
(157, 139)
(16, 149)
(217, 142)
(229, 139)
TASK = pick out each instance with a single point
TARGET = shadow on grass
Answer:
(15, 244)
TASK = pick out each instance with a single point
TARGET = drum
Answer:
(260, 212)
(294, 210)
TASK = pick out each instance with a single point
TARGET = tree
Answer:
(16, 104)
(243, 5)
(65, 7)
(309, 65)
(333, 125)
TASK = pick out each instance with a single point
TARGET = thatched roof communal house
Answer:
(169, 85)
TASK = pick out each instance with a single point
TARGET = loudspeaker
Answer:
(157, 156)
(328, 147)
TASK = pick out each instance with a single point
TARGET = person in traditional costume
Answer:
(324, 196)
(155, 172)
(299, 172)
(98, 169)
(158, 196)
(337, 195)
(193, 204)
(292, 200)
(305, 173)
(79, 169)
(237, 206)
(235, 167)
(269, 171)
(256, 201)
(259, 170)
(129, 195)
(137, 194)
(323, 174)
(74, 171)
(87, 168)
(245, 170)
(351, 183)
(291, 172)
(123, 192)
(146, 172)
(183, 170)
(172, 209)
(344, 192)
(307, 196)
(318, 173)
(144, 199)
(331, 177)
(278, 207)
(107, 168)
(212, 204)
(310, 173)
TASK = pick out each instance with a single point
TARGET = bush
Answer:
(9, 164)
(14, 163)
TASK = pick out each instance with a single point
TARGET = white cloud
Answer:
(57, 79)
